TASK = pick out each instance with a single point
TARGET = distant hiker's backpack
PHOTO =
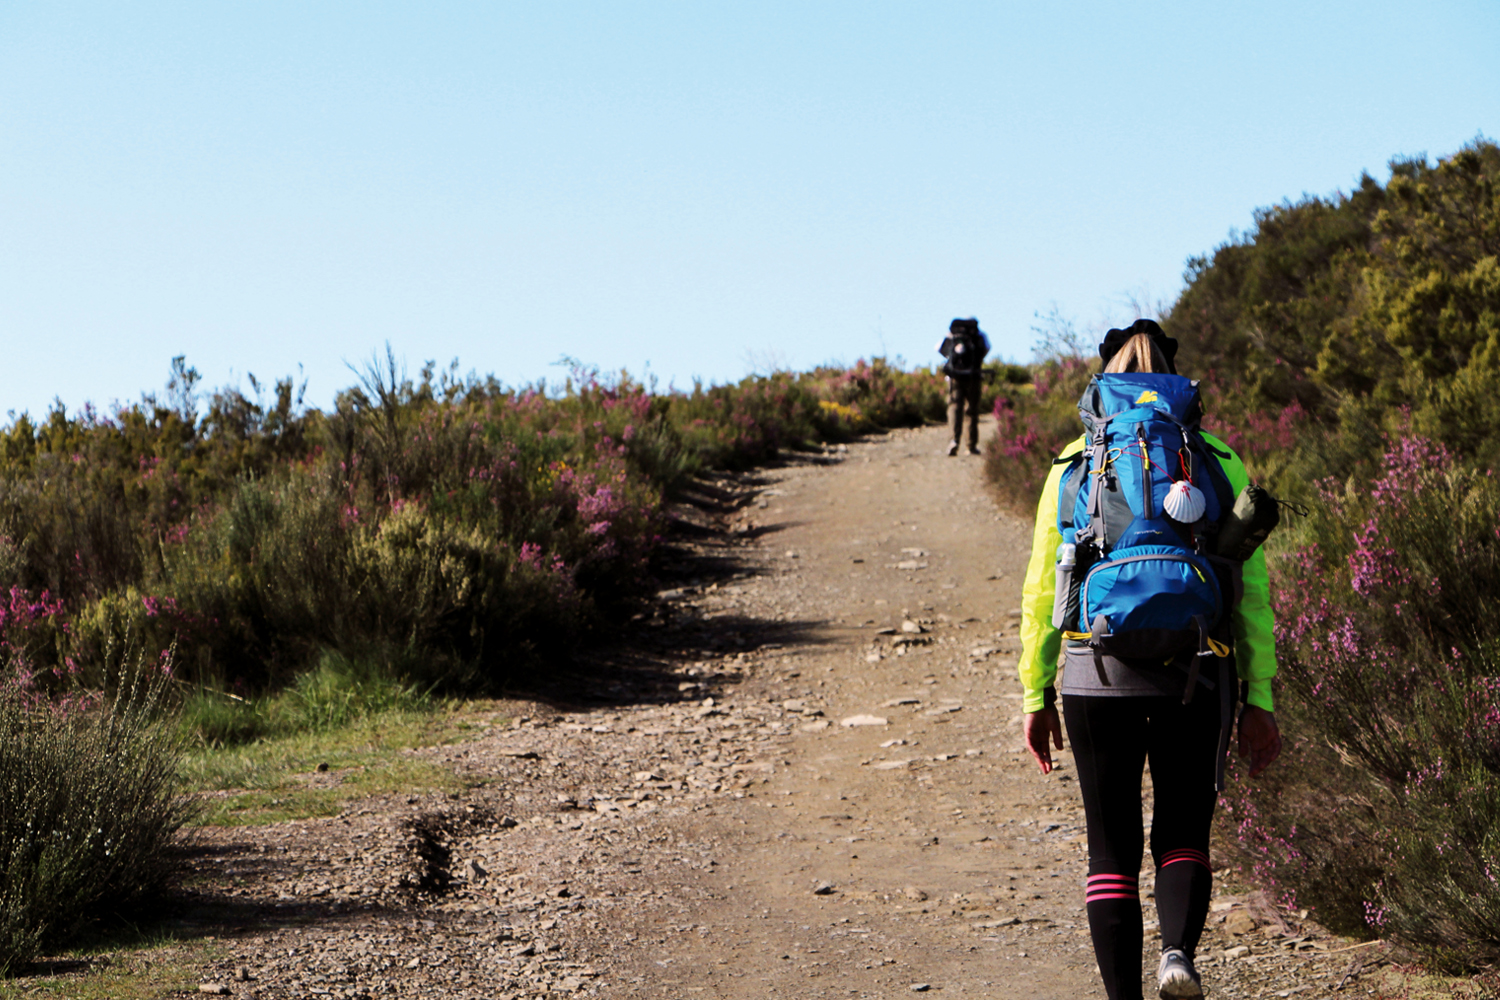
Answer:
(1139, 510)
(966, 351)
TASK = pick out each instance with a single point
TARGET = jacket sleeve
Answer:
(1254, 623)
(1040, 642)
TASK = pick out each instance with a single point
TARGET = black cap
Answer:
(961, 324)
(1115, 339)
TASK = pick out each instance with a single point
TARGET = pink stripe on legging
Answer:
(1185, 855)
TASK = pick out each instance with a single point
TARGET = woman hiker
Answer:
(1137, 684)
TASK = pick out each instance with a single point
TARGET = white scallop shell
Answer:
(1184, 502)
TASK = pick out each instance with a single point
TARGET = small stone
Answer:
(912, 628)
(1239, 922)
(898, 702)
(914, 894)
(508, 823)
(1239, 951)
(214, 989)
(864, 720)
(323, 767)
(823, 889)
(476, 871)
(893, 765)
(242, 975)
(920, 987)
(415, 963)
(873, 657)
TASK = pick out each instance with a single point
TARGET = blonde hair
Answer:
(1138, 354)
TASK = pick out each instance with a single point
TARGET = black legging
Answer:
(1112, 738)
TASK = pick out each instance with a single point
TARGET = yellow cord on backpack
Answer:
(1079, 636)
(1218, 647)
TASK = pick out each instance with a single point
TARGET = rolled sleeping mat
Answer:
(1254, 516)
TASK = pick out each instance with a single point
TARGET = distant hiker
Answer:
(1147, 576)
(963, 350)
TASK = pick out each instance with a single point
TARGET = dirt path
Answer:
(784, 794)
(946, 860)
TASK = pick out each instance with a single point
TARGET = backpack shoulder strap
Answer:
(1216, 474)
(1072, 481)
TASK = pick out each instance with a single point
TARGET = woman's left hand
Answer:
(1260, 738)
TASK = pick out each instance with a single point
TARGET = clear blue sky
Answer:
(691, 187)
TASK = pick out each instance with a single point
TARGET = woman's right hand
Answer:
(1043, 729)
(1260, 738)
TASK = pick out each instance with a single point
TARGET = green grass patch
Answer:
(278, 778)
(147, 967)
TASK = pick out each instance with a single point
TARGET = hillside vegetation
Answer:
(450, 531)
(1349, 348)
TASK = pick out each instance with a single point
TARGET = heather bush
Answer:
(89, 806)
(1032, 424)
(1385, 816)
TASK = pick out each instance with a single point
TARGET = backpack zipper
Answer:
(1140, 436)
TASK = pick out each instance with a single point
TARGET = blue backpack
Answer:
(1135, 583)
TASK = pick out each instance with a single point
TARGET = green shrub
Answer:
(89, 806)
(1381, 305)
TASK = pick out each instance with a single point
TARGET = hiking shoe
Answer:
(973, 449)
(1176, 978)
(953, 449)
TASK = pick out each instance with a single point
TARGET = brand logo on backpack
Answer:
(1139, 511)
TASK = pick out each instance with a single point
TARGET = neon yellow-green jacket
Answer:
(1255, 641)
